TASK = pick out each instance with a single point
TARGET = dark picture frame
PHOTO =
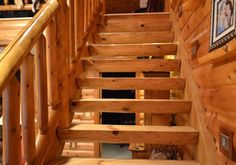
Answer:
(222, 23)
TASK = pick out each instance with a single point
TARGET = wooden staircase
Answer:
(115, 49)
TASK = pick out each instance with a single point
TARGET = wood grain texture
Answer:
(129, 134)
(28, 109)
(13, 24)
(77, 161)
(132, 83)
(41, 95)
(132, 105)
(13, 55)
(11, 127)
(206, 147)
(133, 37)
(132, 65)
(135, 27)
(138, 17)
(51, 59)
(148, 49)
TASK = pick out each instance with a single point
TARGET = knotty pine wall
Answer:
(211, 77)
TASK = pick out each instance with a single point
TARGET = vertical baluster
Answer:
(86, 15)
(11, 124)
(6, 2)
(41, 102)
(81, 19)
(53, 99)
(95, 6)
(79, 24)
(72, 29)
(90, 12)
(103, 11)
(27, 109)
(26, 1)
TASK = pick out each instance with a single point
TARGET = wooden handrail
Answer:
(13, 55)
(44, 82)
(15, 7)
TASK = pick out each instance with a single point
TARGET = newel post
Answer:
(63, 59)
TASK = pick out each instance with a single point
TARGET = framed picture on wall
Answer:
(222, 23)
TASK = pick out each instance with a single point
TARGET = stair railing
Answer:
(46, 52)
(17, 5)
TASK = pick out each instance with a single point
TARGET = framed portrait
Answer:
(222, 23)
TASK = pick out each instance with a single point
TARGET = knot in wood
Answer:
(115, 132)
(125, 109)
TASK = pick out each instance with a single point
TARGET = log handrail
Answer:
(13, 55)
(15, 7)
(56, 36)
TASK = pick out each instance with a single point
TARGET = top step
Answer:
(138, 17)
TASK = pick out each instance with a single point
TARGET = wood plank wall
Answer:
(214, 73)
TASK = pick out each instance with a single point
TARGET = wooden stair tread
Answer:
(137, 17)
(130, 134)
(144, 49)
(138, 14)
(132, 105)
(79, 146)
(13, 23)
(9, 28)
(135, 27)
(78, 153)
(133, 37)
(84, 161)
(137, 65)
(132, 83)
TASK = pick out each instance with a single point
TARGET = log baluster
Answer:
(6, 2)
(41, 101)
(103, 11)
(79, 24)
(51, 59)
(11, 123)
(72, 31)
(28, 109)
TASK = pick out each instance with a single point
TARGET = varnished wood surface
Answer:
(134, 37)
(129, 134)
(14, 54)
(132, 105)
(77, 161)
(144, 49)
(138, 17)
(135, 27)
(132, 83)
(132, 65)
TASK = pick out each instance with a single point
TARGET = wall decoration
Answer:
(222, 22)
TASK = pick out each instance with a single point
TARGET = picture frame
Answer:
(223, 20)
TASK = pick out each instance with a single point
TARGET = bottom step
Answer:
(78, 161)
